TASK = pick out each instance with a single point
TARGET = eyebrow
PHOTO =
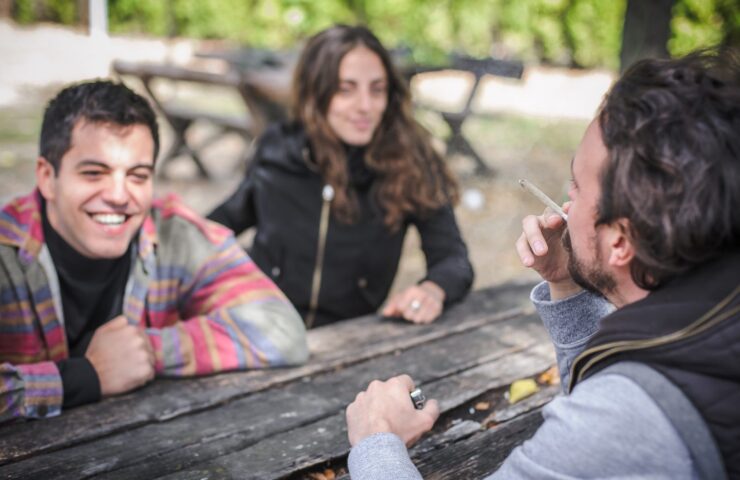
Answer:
(99, 164)
(354, 82)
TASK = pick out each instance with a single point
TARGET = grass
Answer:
(20, 124)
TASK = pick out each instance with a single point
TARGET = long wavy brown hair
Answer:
(412, 177)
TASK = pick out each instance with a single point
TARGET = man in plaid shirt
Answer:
(103, 288)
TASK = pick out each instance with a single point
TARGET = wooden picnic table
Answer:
(478, 67)
(289, 422)
(262, 94)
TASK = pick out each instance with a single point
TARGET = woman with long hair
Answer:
(332, 192)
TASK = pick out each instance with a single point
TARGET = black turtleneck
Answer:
(92, 293)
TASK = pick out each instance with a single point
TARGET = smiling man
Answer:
(103, 288)
(641, 295)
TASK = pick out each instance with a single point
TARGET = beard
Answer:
(593, 278)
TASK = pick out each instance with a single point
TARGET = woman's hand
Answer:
(421, 303)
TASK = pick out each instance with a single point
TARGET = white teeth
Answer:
(109, 218)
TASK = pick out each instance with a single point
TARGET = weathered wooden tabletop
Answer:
(290, 422)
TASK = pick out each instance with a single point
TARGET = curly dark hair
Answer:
(672, 131)
(413, 177)
(99, 101)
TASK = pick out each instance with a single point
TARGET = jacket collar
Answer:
(682, 312)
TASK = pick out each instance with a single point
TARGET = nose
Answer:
(116, 192)
(364, 101)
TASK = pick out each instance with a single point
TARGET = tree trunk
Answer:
(83, 13)
(6, 8)
(647, 27)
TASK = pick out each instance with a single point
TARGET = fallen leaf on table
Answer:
(480, 406)
(521, 389)
(550, 377)
(328, 474)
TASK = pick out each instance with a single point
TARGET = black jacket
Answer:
(281, 196)
(688, 330)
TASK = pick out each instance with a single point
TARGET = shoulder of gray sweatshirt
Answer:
(608, 427)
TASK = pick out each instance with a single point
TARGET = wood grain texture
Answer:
(332, 347)
(270, 424)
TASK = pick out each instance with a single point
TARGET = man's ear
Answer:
(45, 178)
(621, 248)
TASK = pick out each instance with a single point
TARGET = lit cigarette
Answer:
(529, 186)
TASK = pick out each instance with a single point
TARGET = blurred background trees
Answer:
(576, 33)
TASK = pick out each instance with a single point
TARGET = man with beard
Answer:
(102, 287)
(641, 295)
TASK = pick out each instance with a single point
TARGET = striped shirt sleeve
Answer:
(30, 390)
(232, 317)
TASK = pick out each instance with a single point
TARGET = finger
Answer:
(406, 381)
(429, 305)
(431, 408)
(152, 356)
(376, 384)
(532, 227)
(409, 312)
(524, 251)
(406, 298)
(115, 323)
(398, 303)
(359, 395)
(416, 315)
(147, 343)
(553, 221)
(428, 311)
(432, 312)
(151, 373)
(391, 307)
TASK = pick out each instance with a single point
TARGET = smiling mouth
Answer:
(110, 219)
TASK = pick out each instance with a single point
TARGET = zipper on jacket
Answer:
(327, 194)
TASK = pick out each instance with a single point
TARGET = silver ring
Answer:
(418, 398)
(415, 304)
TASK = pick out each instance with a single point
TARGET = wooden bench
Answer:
(259, 109)
(289, 422)
(456, 141)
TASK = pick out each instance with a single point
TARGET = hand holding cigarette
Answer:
(530, 187)
(540, 247)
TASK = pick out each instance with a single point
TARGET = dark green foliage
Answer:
(583, 33)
